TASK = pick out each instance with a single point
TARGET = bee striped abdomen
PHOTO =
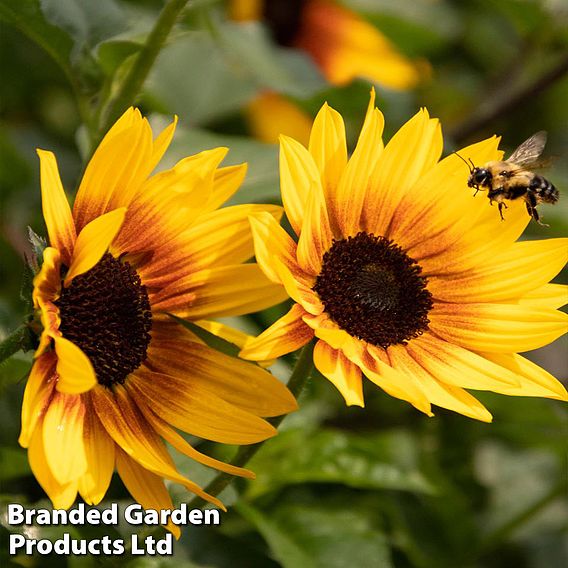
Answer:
(545, 191)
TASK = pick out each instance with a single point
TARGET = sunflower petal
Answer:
(534, 381)
(271, 241)
(350, 196)
(181, 445)
(497, 328)
(316, 237)
(242, 384)
(439, 393)
(131, 432)
(328, 147)
(56, 210)
(75, 371)
(63, 437)
(298, 289)
(120, 164)
(93, 241)
(298, 173)
(195, 410)
(284, 336)
(226, 182)
(521, 268)
(224, 236)
(62, 496)
(100, 455)
(411, 152)
(146, 487)
(220, 291)
(39, 390)
(551, 296)
(459, 367)
(345, 375)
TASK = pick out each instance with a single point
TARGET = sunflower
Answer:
(402, 275)
(114, 375)
(341, 44)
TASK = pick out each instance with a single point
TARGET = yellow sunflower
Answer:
(114, 376)
(402, 275)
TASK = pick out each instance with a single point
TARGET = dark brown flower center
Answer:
(373, 290)
(283, 17)
(106, 312)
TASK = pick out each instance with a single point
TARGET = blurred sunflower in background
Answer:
(114, 376)
(343, 46)
(404, 277)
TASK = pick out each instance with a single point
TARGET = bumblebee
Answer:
(510, 179)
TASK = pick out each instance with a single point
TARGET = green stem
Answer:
(16, 341)
(145, 59)
(296, 384)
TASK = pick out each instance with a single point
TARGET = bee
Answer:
(510, 179)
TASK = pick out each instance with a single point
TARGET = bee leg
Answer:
(501, 204)
(531, 204)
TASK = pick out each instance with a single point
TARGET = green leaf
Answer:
(315, 534)
(111, 54)
(249, 47)
(87, 22)
(286, 551)
(383, 461)
(13, 463)
(27, 16)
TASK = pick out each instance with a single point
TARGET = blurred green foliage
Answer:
(379, 487)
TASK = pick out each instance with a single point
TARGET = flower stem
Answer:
(16, 341)
(145, 59)
(296, 383)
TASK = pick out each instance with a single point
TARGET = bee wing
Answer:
(529, 150)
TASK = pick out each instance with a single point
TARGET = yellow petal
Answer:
(74, 369)
(497, 328)
(508, 275)
(117, 169)
(56, 210)
(271, 241)
(161, 144)
(316, 237)
(270, 114)
(439, 393)
(246, 386)
(456, 366)
(287, 334)
(93, 241)
(47, 282)
(552, 296)
(348, 202)
(99, 452)
(298, 289)
(221, 291)
(131, 432)
(376, 366)
(196, 410)
(344, 375)
(181, 445)
(328, 147)
(226, 182)
(63, 437)
(298, 173)
(39, 390)
(224, 236)
(411, 152)
(534, 381)
(62, 496)
(146, 487)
